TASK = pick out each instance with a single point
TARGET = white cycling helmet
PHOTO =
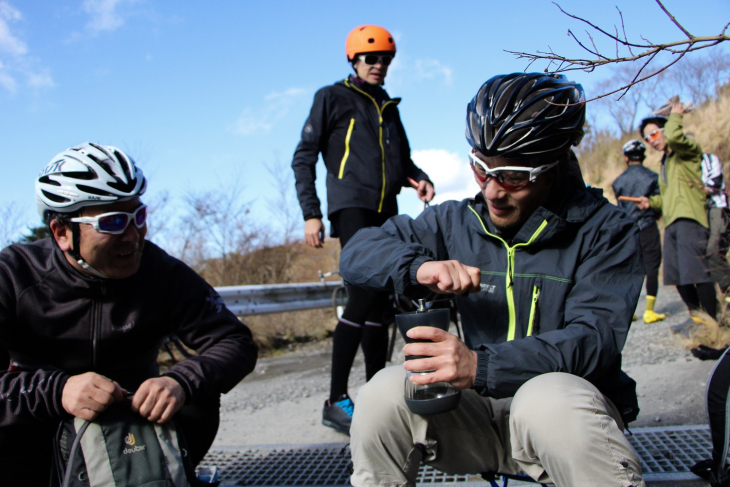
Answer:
(85, 175)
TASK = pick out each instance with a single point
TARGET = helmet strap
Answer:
(74, 252)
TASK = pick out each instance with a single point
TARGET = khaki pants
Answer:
(558, 428)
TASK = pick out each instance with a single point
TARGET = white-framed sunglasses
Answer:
(115, 222)
(653, 135)
(373, 59)
(509, 177)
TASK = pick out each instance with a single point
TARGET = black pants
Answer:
(651, 250)
(362, 319)
(26, 451)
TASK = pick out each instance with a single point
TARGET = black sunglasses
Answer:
(373, 59)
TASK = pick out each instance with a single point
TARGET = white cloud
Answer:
(405, 70)
(8, 82)
(8, 42)
(431, 68)
(261, 121)
(104, 15)
(450, 172)
(40, 80)
(15, 63)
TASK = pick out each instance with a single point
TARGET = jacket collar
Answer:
(365, 89)
(575, 206)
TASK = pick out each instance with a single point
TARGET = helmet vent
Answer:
(86, 175)
(123, 187)
(54, 197)
(104, 165)
(125, 167)
(93, 190)
(371, 41)
(47, 180)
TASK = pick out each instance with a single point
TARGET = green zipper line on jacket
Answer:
(380, 135)
(510, 271)
(347, 147)
(516, 274)
(533, 309)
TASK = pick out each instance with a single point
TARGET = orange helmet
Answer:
(368, 38)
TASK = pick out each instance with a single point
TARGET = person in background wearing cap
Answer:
(83, 314)
(636, 181)
(356, 127)
(553, 274)
(682, 203)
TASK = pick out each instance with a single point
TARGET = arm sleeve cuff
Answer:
(417, 262)
(309, 216)
(183, 384)
(58, 399)
(480, 382)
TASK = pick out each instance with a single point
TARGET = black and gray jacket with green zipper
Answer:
(558, 297)
(364, 147)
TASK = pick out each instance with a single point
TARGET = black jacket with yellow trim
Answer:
(364, 147)
(558, 297)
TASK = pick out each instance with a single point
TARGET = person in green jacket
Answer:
(682, 202)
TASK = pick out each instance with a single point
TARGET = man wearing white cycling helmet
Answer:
(83, 314)
(552, 272)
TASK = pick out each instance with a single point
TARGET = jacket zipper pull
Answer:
(510, 263)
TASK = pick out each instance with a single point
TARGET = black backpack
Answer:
(717, 469)
(121, 449)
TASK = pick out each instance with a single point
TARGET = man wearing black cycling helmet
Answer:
(83, 315)
(635, 182)
(546, 275)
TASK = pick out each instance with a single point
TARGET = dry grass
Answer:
(711, 334)
(285, 264)
(600, 152)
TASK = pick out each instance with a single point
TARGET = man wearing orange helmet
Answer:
(357, 128)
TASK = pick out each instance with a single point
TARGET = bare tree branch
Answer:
(623, 28)
(648, 53)
(690, 36)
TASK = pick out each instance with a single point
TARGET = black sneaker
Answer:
(338, 414)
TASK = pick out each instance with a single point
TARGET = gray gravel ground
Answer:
(280, 403)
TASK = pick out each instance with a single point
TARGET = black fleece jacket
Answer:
(63, 323)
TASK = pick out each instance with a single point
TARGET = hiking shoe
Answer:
(652, 317)
(338, 414)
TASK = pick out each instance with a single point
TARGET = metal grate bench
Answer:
(666, 454)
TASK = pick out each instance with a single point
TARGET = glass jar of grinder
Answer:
(437, 398)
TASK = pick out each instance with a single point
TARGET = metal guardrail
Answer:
(278, 298)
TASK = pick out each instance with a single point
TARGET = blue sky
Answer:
(205, 93)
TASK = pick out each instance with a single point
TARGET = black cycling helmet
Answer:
(657, 120)
(634, 150)
(525, 115)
